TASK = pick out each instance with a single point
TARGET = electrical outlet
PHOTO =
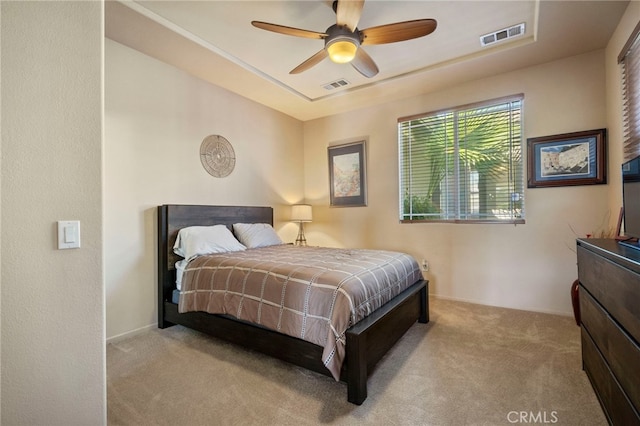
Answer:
(425, 265)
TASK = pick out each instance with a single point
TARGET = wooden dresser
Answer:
(609, 276)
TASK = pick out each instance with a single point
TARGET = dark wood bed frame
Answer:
(366, 342)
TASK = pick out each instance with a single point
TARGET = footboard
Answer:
(370, 339)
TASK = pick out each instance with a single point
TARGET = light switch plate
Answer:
(68, 234)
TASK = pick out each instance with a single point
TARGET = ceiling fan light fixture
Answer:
(343, 39)
(342, 51)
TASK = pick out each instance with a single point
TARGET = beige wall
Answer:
(53, 353)
(156, 118)
(527, 266)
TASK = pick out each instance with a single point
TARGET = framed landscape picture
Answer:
(577, 158)
(347, 175)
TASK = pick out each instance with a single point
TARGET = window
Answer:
(463, 164)
(630, 60)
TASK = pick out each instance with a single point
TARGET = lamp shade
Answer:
(301, 213)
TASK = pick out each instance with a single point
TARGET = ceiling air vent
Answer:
(336, 84)
(500, 35)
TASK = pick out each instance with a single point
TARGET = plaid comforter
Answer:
(311, 293)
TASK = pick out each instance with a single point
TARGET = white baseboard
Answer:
(475, 302)
(126, 335)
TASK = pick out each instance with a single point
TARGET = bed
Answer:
(366, 342)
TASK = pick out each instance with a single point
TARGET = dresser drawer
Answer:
(614, 286)
(620, 352)
(616, 406)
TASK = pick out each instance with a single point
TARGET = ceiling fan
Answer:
(343, 41)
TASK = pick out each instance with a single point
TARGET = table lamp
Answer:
(301, 213)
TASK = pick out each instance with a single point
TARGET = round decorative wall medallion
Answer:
(217, 156)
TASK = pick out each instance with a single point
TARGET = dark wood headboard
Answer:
(173, 217)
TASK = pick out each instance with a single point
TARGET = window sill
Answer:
(467, 221)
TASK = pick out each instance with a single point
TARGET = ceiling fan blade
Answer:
(364, 64)
(348, 13)
(288, 30)
(399, 31)
(314, 60)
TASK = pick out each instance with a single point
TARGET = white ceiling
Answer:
(215, 41)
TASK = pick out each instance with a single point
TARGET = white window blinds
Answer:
(630, 60)
(463, 164)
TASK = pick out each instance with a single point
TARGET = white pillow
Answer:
(254, 235)
(195, 241)
(180, 265)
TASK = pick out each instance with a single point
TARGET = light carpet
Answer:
(471, 365)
